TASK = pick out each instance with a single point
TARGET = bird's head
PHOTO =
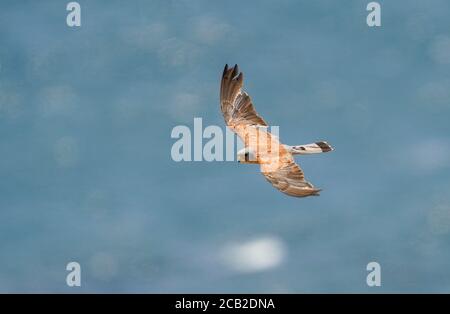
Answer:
(246, 156)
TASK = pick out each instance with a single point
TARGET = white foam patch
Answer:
(256, 255)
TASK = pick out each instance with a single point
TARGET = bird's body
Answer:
(276, 160)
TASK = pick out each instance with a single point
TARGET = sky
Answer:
(86, 115)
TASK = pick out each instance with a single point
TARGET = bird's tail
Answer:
(313, 148)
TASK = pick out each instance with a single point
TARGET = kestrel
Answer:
(276, 160)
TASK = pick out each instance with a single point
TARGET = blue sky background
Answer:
(86, 174)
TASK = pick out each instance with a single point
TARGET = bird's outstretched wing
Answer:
(236, 105)
(277, 164)
(289, 179)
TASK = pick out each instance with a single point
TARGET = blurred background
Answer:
(86, 173)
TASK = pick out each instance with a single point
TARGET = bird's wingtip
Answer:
(225, 69)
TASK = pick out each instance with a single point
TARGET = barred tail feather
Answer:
(313, 148)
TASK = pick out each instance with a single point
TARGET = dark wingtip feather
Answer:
(324, 146)
(225, 70)
(235, 70)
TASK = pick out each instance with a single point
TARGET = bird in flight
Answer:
(276, 160)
